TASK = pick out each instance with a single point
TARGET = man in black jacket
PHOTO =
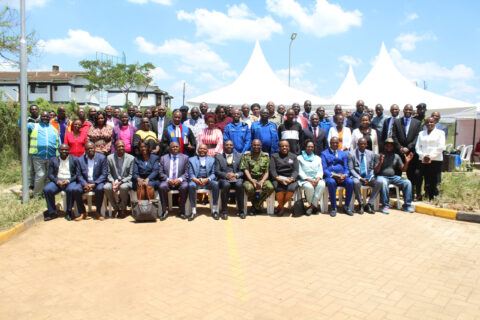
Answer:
(353, 121)
(316, 134)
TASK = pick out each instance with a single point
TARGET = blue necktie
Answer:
(363, 168)
(407, 120)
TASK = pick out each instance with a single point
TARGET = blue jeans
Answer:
(404, 184)
(192, 192)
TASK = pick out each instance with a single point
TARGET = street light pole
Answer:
(292, 37)
(23, 105)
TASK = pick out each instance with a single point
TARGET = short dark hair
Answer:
(255, 105)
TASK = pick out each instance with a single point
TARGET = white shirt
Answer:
(170, 173)
(203, 160)
(64, 169)
(91, 165)
(160, 128)
(431, 144)
(346, 138)
(110, 122)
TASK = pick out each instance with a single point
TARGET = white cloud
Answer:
(164, 2)
(194, 56)
(176, 90)
(408, 41)
(159, 74)
(350, 60)
(29, 3)
(460, 89)
(6, 65)
(78, 43)
(430, 70)
(322, 20)
(410, 17)
(238, 24)
(297, 79)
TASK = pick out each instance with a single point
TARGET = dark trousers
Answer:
(414, 174)
(98, 198)
(332, 191)
(430, 173)
(71, 190)
(182, 190)
(225, 187)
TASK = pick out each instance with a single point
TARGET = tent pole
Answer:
(455, 135)
(474, 133)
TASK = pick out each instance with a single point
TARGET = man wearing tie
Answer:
(120, 169)
(227, 169)
(388, 125)
(173, 176)
(316, 134)
(361, 163)
(132, 119)
(159, 125)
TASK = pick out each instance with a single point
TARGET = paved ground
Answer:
(401, 266)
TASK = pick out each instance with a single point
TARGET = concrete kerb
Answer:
(8, 234)
(447, 213)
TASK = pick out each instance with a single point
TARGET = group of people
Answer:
(248, 149)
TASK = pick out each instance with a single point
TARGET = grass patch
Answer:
(12, 211)
(461, 187)
(10, 167)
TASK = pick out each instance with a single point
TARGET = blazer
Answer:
(144, 170)
(384, 133)
(100, 169)
(357, 134)
(54, 164)
(194, 168)
(154, 124)
(330, 163)
(371, 160)
(402, 140)
(222, 168)
(321, 142)
(346, 138)
(127, 168)
(116, 135)
(164, 167)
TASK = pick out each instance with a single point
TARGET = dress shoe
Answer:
(164, 216)
(333, 213)
(50, 217)
(369, 209)
(215, 215)
(278, 213)
(192, 216)
(68, 216)
(252, 211)
(418, 197)
(224, 216)
(183, 216)
(360, 209)
(79, 218)
(98, 216)
(348, 211)
(242, 215)
(115, 214)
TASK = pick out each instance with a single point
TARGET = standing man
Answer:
(336, 173)
(93, 171)
(92, 113)
(266, 132)
(438, 125)
(44, 143)
(201, 172)
(111, 120)
(307, 106)
(120, 170)
(273, 116)
(353, 121)
(33, 118)
(387, 131)
(292, 132)
(298, 118)
(133, 120)
(377, 122)
(196, 124)
(184, 111)
(203, 109)
(124, 132)
(323, 121)
(246, 115)
(227, 170)
(116, 113)
(256, 165)
(61, 122)
(316, 134)
(62, 172)
(336, 111)
(405, 134)
(180, 133)
(159, 125)
(361, 163)
(281, 111)
(174, 168)
(421, 111)
(238, 132)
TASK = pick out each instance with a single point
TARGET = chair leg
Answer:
(245, 202)
(89, 201)
(271, 203)
(64, 202)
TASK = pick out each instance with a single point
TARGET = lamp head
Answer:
(294, 35)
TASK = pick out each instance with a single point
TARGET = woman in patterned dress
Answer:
(211, 136)
(222, 118)
(101, 134)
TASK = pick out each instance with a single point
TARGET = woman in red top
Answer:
(76, 139)
(222, 118)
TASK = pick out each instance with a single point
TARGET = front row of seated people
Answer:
(254, 173)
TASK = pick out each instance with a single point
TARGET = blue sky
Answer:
(208, 43)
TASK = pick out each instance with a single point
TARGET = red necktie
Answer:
(315, 132)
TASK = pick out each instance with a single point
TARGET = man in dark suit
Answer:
(405, 133)
(388, 125)
(132, 119)
(173, 170)
(159, 125)
(227, 170)
(92, 177)
(316, 134)
(361, 163)
(353, 121)
(178, 132)
(62, 172)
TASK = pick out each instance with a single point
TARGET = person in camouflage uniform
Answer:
(256, 165)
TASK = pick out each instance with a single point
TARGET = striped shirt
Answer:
(211, 137)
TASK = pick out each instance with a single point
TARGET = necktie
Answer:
(390, 127)
(406, 125)
(315, 132)
(229, 159)
(174, 168)
(363, 168)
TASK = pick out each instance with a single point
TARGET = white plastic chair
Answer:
(89, 197)
(466, 154)
(270, 202)
(188, 207)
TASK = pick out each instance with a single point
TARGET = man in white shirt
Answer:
(195, 123)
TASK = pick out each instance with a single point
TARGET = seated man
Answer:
(361, 163)
(120, 169)
(92, 177)
(227, 169)
(256, 165)
(62, 172)
(173, 176)
(385, 170)
(201, 172)
(335, 169)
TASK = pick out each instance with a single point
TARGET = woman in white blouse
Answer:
(429, 147)
(343, 134)
(310, 173)
(367, 132)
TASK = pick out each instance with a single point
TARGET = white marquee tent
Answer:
(256, 84)
(386, 85)
(347, 94)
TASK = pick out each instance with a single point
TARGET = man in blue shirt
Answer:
(238, 132)
(377, 122)
(323, 122)
(336, 173)
(266, 132)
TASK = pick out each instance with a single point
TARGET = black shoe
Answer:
(50, 217)
(252, 211)
(418, 197)
(192, 216)
(333, 213)
(348, 211)
(242, 215)
(277, 213)
(68, 216)
(369, 208)
(164, 216)
(215, 215)
(360, 209)
(224, 216)
(183, 216)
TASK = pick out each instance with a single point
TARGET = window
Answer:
(55, 88)
(38, 88)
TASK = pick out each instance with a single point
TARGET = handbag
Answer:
(145, 210)
(299, 208)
